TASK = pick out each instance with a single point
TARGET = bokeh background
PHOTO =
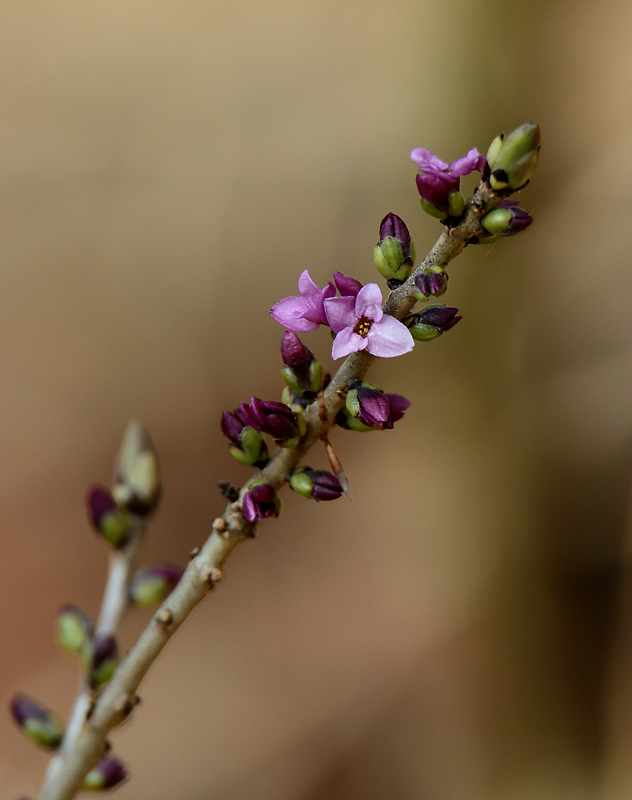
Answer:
(463, 628)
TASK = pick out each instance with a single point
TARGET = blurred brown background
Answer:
(463, 629)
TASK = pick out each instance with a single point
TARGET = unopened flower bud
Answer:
(317, 484)
(249, 446)
(74, 628)
(260, 502)
(432, 281)
(152, 585)
(276, 419)
(41, 725)
(368, 408)
(108, 773)
(513, 158)
(105, 516)
(394, 254)
(137, 473)
(101, 658)
(431, 322)
(302, 373)
(507, 219)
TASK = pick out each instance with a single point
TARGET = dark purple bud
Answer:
(431, 322)
(105, 516)
(373, 408)
(153, 584)
(326, 485)
(102, 658)
(232, 425)
(260, 502)
(432, 281)
(108, 773)
(268, 416)
(41, 725)
(394, 227)
(294, 353)
(348, 287)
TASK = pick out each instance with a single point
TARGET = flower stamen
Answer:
(363, 327)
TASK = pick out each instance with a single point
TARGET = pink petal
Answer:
(347, 341)
(340, 312)
(425, 158)
(469, 163)
(369, 302)
(308, 289)
(289, 312)
(388, 338)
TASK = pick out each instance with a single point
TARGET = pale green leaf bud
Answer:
(513, 161)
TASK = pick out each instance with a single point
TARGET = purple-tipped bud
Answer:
(108, 773)
(432, 281)
(348, 287)
(249, 446)
(317, 484)
(153, 584)
(369, 408)
(431, 322)
(101, 658)
(260, 502)
(74, 628)
(302, 373)
(394, 254)
(507, 219)
(275, 419)
(137, 472)
(105, 516)
(41, 725)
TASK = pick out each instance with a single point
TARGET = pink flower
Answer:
(437, 180)
(360, 324)
(305, 312)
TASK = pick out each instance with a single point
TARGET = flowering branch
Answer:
(365, 329)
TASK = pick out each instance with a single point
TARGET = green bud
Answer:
(497, 221)
(513, 160)
(74, 628)
(137, 474)
(432, 210)
(494, 148)
(253, 445)
(302, 483)
(456, 204)
(291, 380)
(316, 376)
(100, 658)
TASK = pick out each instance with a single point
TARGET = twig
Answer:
(113, 605)
(83, 752)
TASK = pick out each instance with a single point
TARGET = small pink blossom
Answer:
(360, 324)
(306, 311)
(437, 180)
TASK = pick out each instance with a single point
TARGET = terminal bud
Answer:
(137, 484)
(512, 159)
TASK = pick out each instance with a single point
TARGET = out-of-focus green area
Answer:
(462, 629)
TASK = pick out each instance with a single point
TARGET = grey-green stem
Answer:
(89, 744)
